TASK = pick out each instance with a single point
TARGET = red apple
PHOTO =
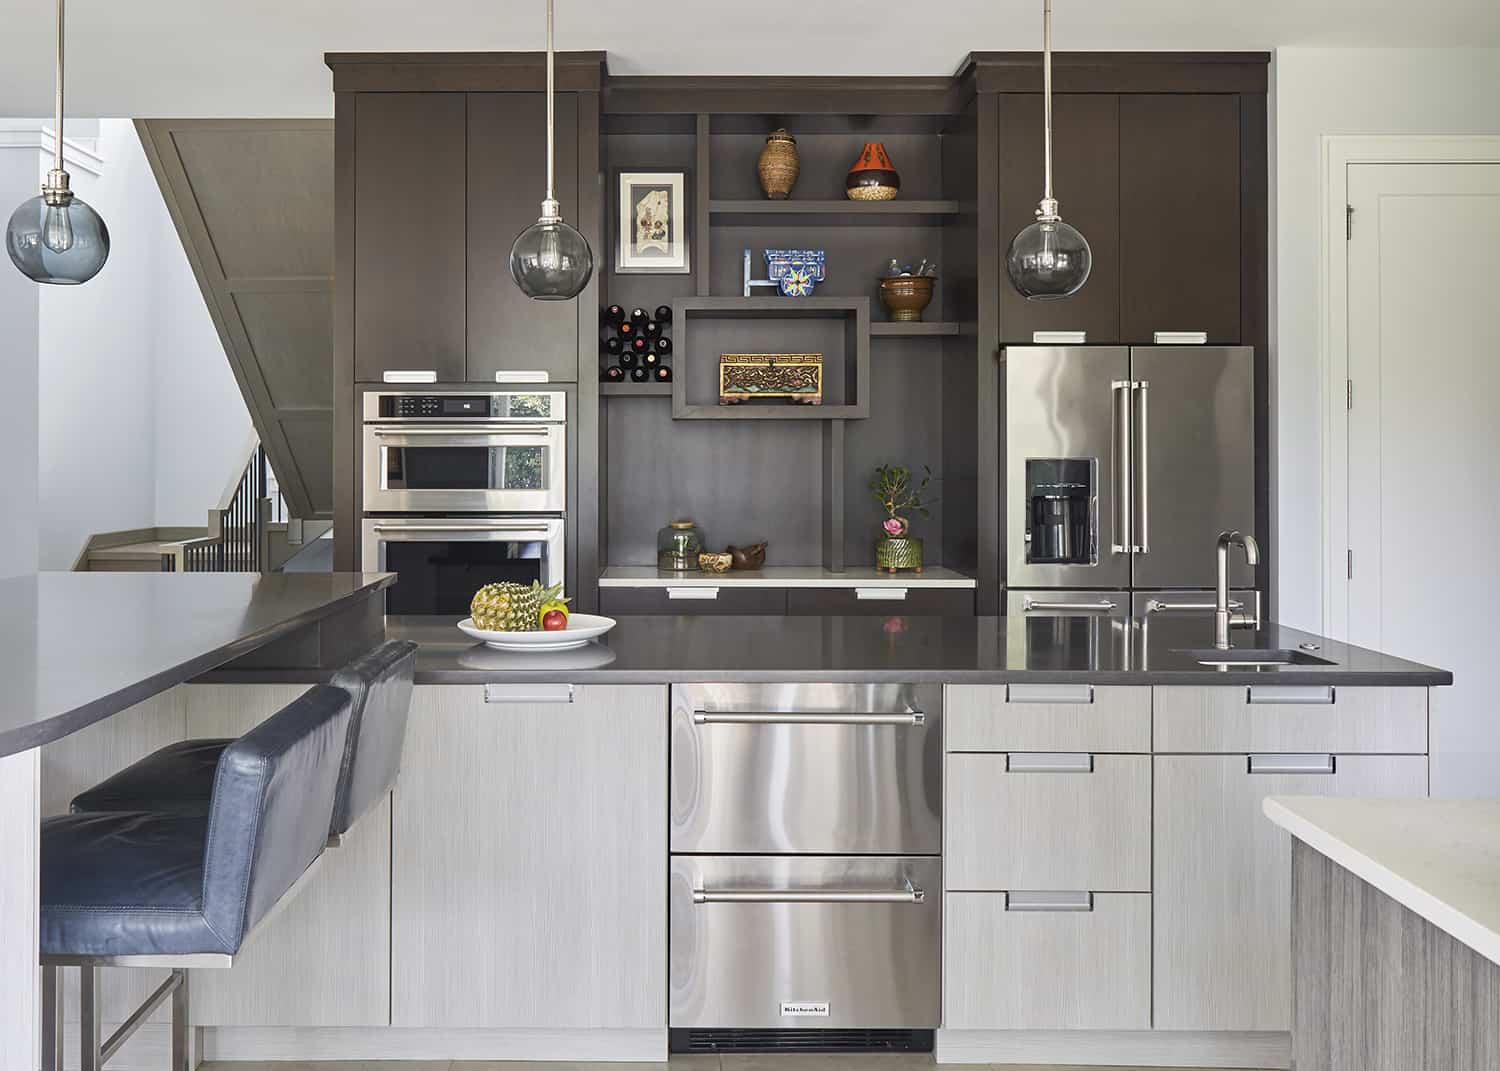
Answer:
(554, 621)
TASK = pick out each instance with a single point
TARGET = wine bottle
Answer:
(662, 373)
(664, 314)
(653, 329)
(613, 374)
(628, 359)
(614, 346)
(639, 375)
(662, 346)
(639, 317)
(626, 330)
(613, 315)
(649, 359)
(640, 345)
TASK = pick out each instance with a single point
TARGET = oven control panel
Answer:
(487, 405)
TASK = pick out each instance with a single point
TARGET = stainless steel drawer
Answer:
(817, 769)
(808, 942)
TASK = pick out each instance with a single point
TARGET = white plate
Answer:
(581, 629)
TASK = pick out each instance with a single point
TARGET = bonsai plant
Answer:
(898, 494)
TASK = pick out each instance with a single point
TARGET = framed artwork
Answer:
(652, 236)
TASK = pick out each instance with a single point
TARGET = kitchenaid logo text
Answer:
(804, 1007)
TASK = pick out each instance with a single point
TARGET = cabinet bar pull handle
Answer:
(528, 693)
(705, 594)
(1156, 606)
(912, 895)
(1290, 693)
(791, 717)
(880, 594)
(1141, 541)
(1049, 901)
(1291, 764)
(1103, 606)
(1120, 541)
(1049, 693)
(1050, 762)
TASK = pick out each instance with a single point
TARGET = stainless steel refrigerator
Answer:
(1122, 465)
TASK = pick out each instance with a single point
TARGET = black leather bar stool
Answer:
(144, 889)
(178, 779)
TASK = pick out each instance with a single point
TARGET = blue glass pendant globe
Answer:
(551, 261)
(64, 244)
(1049, 259)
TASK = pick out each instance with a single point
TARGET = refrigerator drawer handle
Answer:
(1290, 764)
(791, 717)
(1156, 606)
(1120, 538)
(910, 895)
(1049, 901)
(1103, 606)
(1141, 422)
(1307, 694)
(1050, 762)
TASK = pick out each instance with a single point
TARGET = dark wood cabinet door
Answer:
(1180, 215)
(1085, 154)
(508, 331)
(409, 235)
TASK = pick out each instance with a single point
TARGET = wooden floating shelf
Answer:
(754, 213)
(909, 328)
(635, 390)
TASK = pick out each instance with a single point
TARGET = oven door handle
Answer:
(472, 432)
(910, 895)
(459, 528)
(791, 717)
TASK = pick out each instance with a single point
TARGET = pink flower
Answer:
(894, 525)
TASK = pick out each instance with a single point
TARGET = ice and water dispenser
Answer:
(1061, 511)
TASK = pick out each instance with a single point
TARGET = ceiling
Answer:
(142, 58)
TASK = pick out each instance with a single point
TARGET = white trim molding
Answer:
(1113, 1048)
(1339, 153)
(35, 134)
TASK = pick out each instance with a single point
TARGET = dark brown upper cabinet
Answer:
(1086, 167)
(409, 235)
(1180, 215)
(507, 172)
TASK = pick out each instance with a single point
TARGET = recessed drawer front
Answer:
(805, 942)
(1047, 969)
(1048, 821)
(1290, 718)
(692, 599)
(882, 601)
(1048, 717)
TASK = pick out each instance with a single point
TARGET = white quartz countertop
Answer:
(782, 576)
(1438, 858)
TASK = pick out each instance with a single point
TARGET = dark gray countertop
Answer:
(976, 650)
(78, 647)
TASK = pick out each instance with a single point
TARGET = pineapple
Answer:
(511, 607)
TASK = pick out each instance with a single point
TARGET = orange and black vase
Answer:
(873, 177)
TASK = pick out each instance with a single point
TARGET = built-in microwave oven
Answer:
(442, 561)
(465, 452)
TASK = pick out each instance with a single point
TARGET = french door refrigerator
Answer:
(1122, 465)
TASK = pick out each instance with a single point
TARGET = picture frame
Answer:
(657, 200)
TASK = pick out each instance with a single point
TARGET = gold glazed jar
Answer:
(779, 165)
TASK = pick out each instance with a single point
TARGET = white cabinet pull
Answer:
(705, 594)
(1049, 901)
(1291, 764)
(880, 594)
(1050, 762)
(1311, 694)
(522, 376)
(528, 693)
(1179, 338)
(410, 375)
(1049, 693)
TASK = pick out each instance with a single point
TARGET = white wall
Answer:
(18, 373)
(1322, 91)
(141, 422)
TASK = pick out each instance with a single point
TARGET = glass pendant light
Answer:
(56, 238)
(551, 261)
(1048, 259)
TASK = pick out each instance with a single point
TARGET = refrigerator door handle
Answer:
(1141, 541)
(1120, 538)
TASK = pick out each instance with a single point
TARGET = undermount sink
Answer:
(1251, 656)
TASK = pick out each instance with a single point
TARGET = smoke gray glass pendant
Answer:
(56, 238)
(1048, 259)
(551, 261)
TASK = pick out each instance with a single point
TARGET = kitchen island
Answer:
(78, 649)
(512, 905)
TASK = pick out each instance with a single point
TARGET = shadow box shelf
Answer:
(836, 327)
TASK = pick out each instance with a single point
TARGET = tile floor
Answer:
(842, 1062)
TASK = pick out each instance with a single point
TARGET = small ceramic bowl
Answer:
(906, 296)
(715, 561)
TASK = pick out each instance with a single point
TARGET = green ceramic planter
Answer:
(903, 553)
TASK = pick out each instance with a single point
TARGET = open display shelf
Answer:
(831, 212)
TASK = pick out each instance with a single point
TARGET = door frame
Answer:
(1338, 153)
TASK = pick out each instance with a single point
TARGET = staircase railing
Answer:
(237, 540)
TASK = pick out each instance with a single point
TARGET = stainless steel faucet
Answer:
(1224, 620)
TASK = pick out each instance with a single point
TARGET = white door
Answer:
(1424, 443)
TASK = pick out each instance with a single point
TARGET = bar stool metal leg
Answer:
(91, 1056)
(181, 1050)
(52, 1019)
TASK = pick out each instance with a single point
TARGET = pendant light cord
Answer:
(58, 155)
(550, 197)
(1046, 91)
